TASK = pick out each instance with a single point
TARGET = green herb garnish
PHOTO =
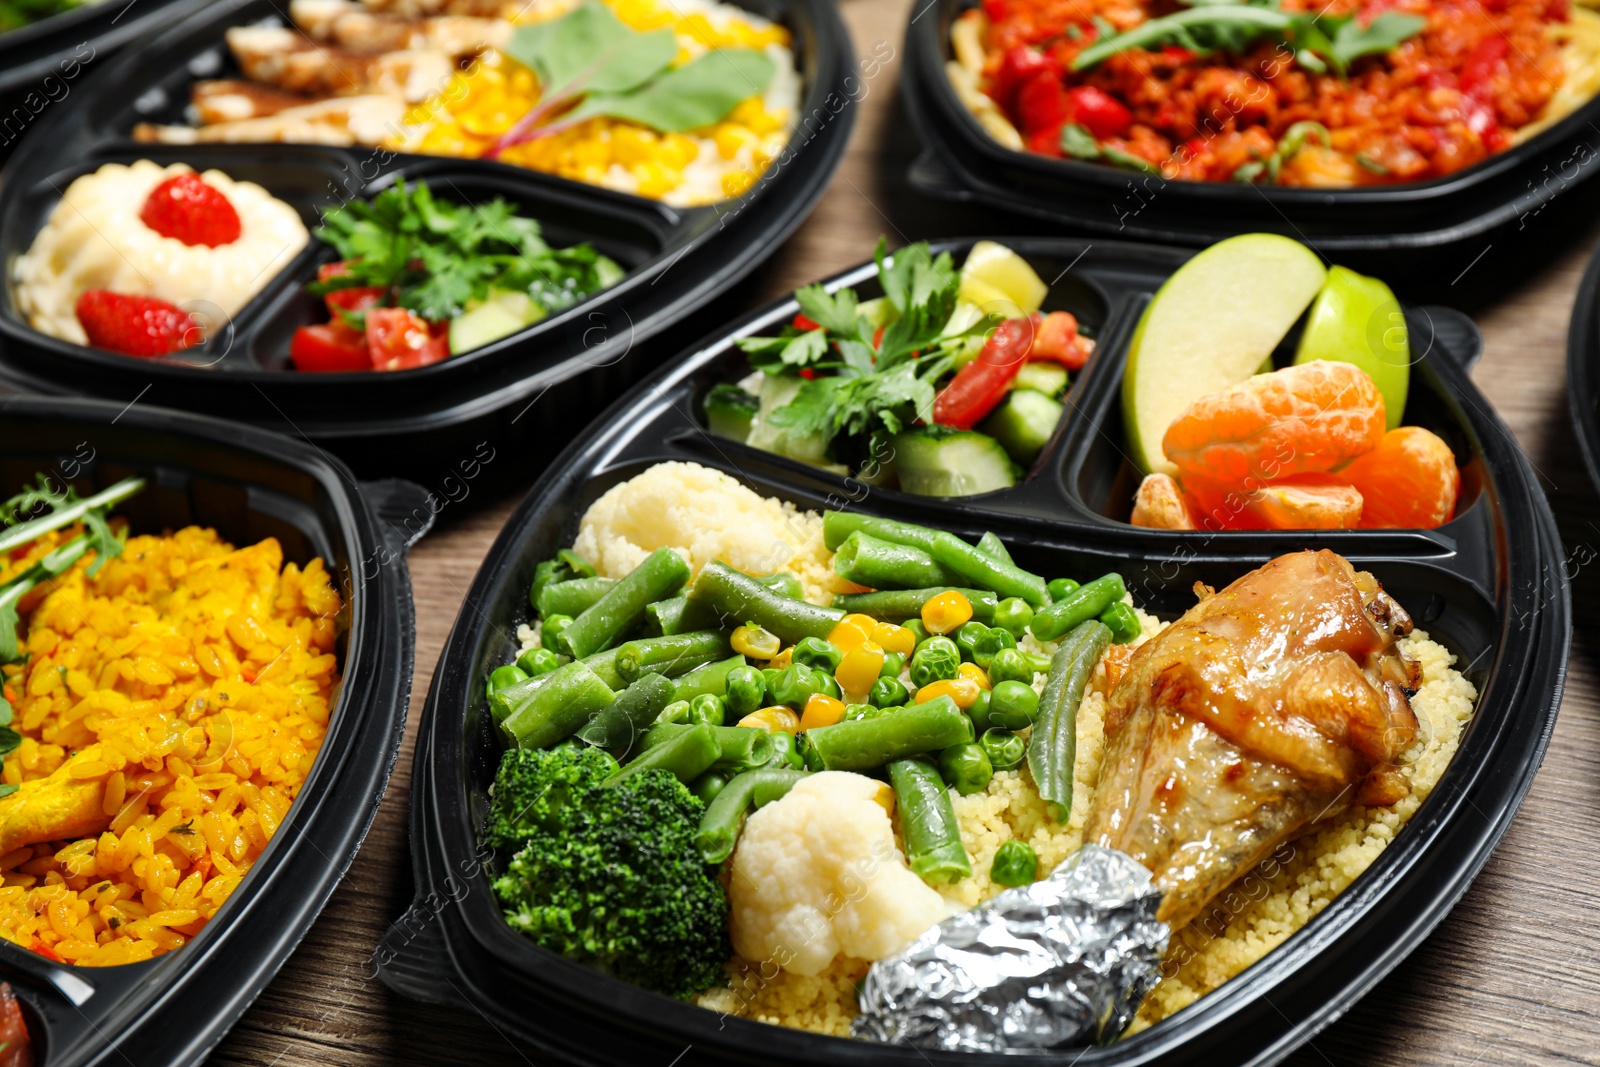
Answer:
(1079, 143)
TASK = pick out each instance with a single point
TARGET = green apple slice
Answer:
(1210, 326)
(1356, 319)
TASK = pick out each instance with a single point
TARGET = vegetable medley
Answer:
(656, 714)
(947, 385)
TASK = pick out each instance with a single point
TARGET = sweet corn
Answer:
(820, 710)
(946, 612)
(753, 641)
(783, 659)
(780, 719)
(851, 631)
(964, 691)
(975, 673)
(892, 638)
(859, 668)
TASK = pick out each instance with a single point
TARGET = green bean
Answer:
(928, 822)
(897, 605)
(991, 545)
(676, 615)
(872, 561)
(572, 597)
(737, 598)
(708, 785)
(747, 690)
(724, 816)
(568, 697)
(978, 569)
(537, 661)
(1053, 744)
(618, 725)
(567, 566)
(1123, 622)
(1061, 588)
(672, 655)
(687, 756)
(739, 748)
(966, 768)
(504, 677)
(1015, 863)
(936, 659)
(1012, 615)
(503, 701)
(887, 692)
(711, 678)
(1005, 748)
(866, 744)
(661, 575)
(1082, 604)
(1012, 706)
(605, 665)
(818, 654)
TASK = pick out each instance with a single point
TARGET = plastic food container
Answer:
(962, 162)
(248, 485)
(1583, 368)
(1487, 584)
(528, 387)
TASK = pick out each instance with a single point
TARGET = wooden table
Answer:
(1508, 978)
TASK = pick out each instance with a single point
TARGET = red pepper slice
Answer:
(1043, 104)
(1019, 65)
(981, 384)
(1098, 112)
(1058, 341)
(802, 321)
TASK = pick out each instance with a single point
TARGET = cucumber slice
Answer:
(951, 464)
(502, 313)
(729, 411)
(1048, 378)
(1023, 423)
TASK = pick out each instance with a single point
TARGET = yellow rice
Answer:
(194, 681)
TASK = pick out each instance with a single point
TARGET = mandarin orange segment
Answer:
(1159, 504)
(1303, 502)
(1410, 481)
(1306, 419)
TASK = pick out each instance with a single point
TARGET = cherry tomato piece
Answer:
(982, 384)
(332, 346)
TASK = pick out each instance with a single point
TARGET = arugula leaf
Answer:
(589, 49)
(1388, 31)
(700, 93)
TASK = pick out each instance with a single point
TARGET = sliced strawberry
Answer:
(332, 346)
(136, 325)
(187, 209)
(403, 340)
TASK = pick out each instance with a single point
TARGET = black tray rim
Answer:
(1583, 368)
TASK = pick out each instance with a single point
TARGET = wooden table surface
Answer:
(1509, 977)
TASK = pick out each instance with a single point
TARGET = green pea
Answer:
(995, 640)
(886, 692)
(1013, 615)
(935, 659)
(1012, 706)
(966, 768)
(1004, 748)
(675, 712)
(967, 636)
(709, 784)
(828, 685)
(707, 708)
(794, 685)
(501, 677)
(893, 664)
(852, 712)
(550, 632)
(537, 661)
(819, 654)
(785, 753)
(1010, 664)
(918, 628)
(1061, 587)
(747, 689)
(1123, 623)
(978, 710)
(1015, 863)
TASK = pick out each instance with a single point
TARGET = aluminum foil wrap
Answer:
(1064, 961)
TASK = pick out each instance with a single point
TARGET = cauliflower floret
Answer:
(818, 873)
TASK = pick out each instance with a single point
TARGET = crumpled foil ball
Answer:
(1065, 961)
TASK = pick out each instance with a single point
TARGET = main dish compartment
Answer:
(1485, 587)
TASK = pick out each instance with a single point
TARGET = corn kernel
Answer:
(738, 182)
(859, 668)
(975, 673)
(851, 631)
(753, 641)
(947, 611)
(778, 718)
(893, 638)
(821, 710)
(782, 659)
(964, 691)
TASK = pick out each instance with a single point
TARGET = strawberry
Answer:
(187, 209)
(136, 325)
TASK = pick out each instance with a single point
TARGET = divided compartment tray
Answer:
(1488, 585)
(1583, 368)
(960, 161)
(677, 258)
(248, 485)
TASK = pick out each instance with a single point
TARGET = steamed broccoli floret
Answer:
(609, 874)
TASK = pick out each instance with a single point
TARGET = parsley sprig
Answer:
(865, 381)
(436, 257)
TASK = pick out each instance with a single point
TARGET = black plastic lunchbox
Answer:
(1487, 584)
(248, 485)
(528, 392)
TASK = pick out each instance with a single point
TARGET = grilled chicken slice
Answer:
(483, 9)
(352, 27)
(232, 99)
(343, 120)
(288, 60)
(1278, 702)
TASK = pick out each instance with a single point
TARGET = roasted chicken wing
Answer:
(1279, 701)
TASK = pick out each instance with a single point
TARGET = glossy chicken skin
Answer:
(1277, 702)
